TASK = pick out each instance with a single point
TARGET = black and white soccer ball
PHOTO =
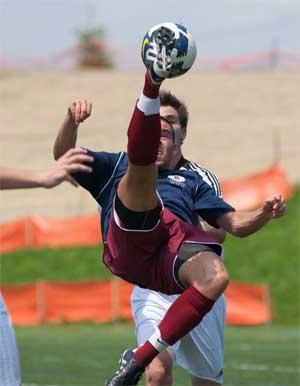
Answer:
(184, 44)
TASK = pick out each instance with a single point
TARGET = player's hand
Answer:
(275, 207)
(79, 111)
(73, 161)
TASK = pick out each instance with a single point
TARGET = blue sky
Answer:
(221, 28)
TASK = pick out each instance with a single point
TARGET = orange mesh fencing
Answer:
(23, 304)
(35, 232)
(52, 302)
(76, 302)
(15, 235)
(76, 231)
(249, 192)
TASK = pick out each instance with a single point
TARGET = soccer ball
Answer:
(184, 44)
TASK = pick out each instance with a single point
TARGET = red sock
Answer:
(151, 90)
(144, 129)
(184, 314)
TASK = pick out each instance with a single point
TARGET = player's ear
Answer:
(183, 134)
(176, 147)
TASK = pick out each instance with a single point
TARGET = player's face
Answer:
(171, 115)
(167, 147)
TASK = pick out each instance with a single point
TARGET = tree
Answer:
(92, 51)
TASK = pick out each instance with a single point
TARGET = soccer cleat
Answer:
(163, 54)
(129, 372)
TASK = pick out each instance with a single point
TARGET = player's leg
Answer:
(206, 272)
(201, 351)
(9, 355)
(137, 188)
(159, 372)
(148, 308)
(205, 278)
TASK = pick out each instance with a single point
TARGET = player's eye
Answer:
(166, 134)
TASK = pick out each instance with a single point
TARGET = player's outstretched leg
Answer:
(137, 188)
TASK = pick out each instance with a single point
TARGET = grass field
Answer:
(86, 354)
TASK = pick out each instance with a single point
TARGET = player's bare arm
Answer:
(75, 160)
(66, 138)
(242, 224)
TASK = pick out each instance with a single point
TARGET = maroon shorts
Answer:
(148, 258)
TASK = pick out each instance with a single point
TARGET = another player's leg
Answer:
(9, 355)
(159, 372)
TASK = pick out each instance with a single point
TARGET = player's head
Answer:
(167, 146)
(176, 112)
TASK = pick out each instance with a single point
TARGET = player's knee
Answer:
(221, 281)
(215, 278)
(221, 278)
(159, 374)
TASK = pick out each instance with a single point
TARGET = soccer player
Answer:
(73, 161)
(201, 352)
(150, 219)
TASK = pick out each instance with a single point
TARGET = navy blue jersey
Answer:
(182, 191)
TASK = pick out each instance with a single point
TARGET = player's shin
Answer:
(184, 314)
(144, 129)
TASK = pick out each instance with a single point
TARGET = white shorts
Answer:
(9, 355)
(201, 351)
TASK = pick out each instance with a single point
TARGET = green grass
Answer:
(73, 264)
(87, 354)
(271, 256)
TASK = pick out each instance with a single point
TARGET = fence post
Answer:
(41, 301)
(28, 232)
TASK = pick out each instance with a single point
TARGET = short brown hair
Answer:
(168, 99)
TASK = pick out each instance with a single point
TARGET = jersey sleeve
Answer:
(103, 167)
(207, 176)
(208, 205)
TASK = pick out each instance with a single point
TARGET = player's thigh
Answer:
(202, 382)
(137, 188)
(207, 272)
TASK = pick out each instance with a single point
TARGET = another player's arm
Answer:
(60, 171)
(66, 137)
(242, 224)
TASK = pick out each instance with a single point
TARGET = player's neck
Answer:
(175, 159)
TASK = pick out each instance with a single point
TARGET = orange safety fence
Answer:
(249, 192)
(35, 232)
(56, 302)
